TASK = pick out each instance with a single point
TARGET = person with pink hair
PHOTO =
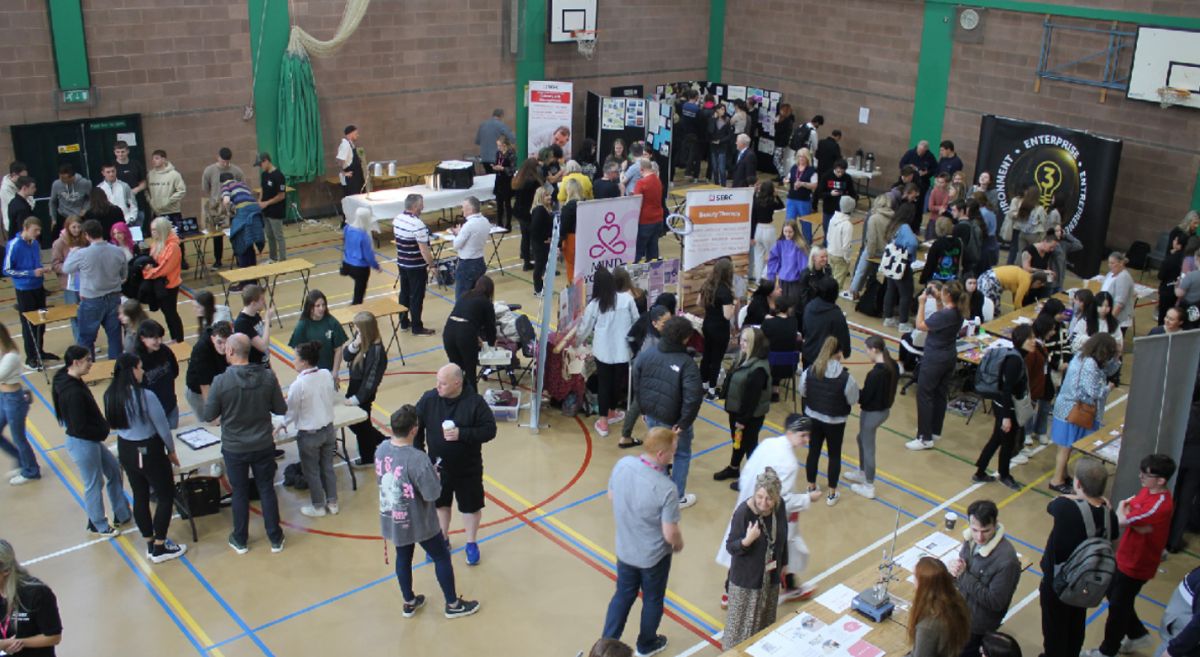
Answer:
(122, 237)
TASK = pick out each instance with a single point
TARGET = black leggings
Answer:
(933, 384)
(541, 253)
(610, 377)
(360, 275)
(1006, 442)
(753, 425)
(168, 302)
(823, 432)
(716, 341)
(461, 340)
(504, 196)
(368, 437)
(147, 467)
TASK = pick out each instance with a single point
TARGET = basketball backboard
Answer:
(569, 15)
(1166, 59)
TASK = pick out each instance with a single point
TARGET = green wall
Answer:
(70, 45)
(531, 62)
(716, 38)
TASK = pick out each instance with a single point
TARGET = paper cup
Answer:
(951, 520)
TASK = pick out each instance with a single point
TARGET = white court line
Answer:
(76, 548)
(1012, 611)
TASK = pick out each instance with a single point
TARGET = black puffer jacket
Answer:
(821, 320)
(365, 378)
(667, 382)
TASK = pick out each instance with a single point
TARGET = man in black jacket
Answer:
(823, 318)
(455, 423)
(76, 409)
(669, 393)
(745, 166)
(829, 151)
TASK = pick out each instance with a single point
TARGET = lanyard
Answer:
(652, 464)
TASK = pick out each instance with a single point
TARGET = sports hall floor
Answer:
(547, 541)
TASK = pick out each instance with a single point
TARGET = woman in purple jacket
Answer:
(787, 261)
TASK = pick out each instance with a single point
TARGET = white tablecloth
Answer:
(386, 204)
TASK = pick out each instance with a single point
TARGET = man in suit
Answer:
(745, 168)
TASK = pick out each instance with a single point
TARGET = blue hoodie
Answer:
(21, 258)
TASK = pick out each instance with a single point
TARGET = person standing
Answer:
(86, 430)
(650, 217)
(762, 230)
(14, 408)
(1086, 383)
(70, 195)
(747, 398)
(133, 173)
(350, 165)
(1007, 433)
(829, 150)
(23, 264)
(159, 368)
(470, 241)
(358, 253)
(254, 325)
(822, 318)
(832, 186)
(244, 397)
(455, 423)
(1119, 284)
(758, 554)
(787, 262)
(525, 185)
(317, 325)
(168, 256)
(785, 124)
(1074, 515)
(119, 194)
(310, 402)
(937, 364)
(541, 231)
(876, 399)
(607, 319)
(1180, 627)
(273, 200)
(839, 241)
(829, 392)
(413, 259)
(8, 191)
(70, 239)
(1146, 518)
(408, 489)
(101, 209)
(246, 226)
(669, 393)
(489, 131)
(20, 206)
(716, 297)
(646, 512)
(874, 241)
(28, 609)
(504, 167)
(165, 188)
(368, 363)
(925, 164)
(801, 183)
(986, 571)
(745, 169)
(213, 211)
(146, 450)
(938, 621)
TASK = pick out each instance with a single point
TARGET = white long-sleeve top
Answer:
(841, 233)
(472, 237)
(310, 400)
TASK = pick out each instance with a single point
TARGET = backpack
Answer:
(293, 477)
(991, 370)
(1083, 579)
(894, 261)
(800, 137)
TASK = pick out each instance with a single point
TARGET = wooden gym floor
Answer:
(548, 566)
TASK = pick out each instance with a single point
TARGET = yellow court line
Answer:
(596, 548)
(160, 586)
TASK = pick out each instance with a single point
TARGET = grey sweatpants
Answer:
(868, 423)
(275, 239)
(316, 461)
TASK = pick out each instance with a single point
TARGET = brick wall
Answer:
(836, 58)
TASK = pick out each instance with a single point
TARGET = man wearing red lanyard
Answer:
(646, 510)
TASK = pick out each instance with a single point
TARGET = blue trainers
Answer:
(472, 554)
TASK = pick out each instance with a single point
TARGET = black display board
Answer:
(1056, 159)
(628, 91)
(763, 130)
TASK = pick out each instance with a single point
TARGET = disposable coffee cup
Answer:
(42, 313)
(951, 520)
(447, 425)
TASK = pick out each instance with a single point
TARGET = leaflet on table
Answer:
(806, 636)
(938, 544)
(838, 598)
(1110, 452)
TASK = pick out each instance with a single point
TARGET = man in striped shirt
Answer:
(413, 257)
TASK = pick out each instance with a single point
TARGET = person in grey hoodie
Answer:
(244, 397)
(987, 572)
(165, 188)
(70, 195)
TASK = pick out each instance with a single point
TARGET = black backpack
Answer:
(800, 137)
(991, 371)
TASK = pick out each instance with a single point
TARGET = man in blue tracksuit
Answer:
(23, 264)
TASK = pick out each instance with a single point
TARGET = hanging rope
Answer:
(301, 41)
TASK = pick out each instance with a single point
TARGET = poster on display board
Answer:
(550, 115)
(656, 277)
(632, 120)
(720, 225)
(764, 105)
(1060, 162)
(605, 235)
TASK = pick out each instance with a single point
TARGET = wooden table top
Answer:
(289, 266)
(52, 314)
(102, 370)
(379, 306)
(1095, 442)
(1004, 324)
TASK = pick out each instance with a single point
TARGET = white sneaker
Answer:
(854, 477)
(687, 500)
(18, 480)
(905, 328)
(1018, 459)
(1137, 645)
(916, 444)
(866, 490)
(312, 511)
(1043, 439)
(332, 508)
(832, 498)
(1029, 440)
(890, 322)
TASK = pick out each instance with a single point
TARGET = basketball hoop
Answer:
(585, 40)
(1168, 96)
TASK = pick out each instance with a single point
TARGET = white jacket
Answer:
(841, 232)
(611, 329)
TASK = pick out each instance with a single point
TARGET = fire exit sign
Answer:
(76, 95)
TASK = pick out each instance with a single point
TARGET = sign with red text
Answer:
(720, 225)
(550, 115)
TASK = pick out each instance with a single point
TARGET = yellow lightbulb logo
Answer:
(1048, 179)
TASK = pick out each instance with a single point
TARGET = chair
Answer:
(1156, 257)
(786, 359)
(1138, 256)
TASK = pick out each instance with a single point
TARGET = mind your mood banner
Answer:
(720, 225)
(1058, 161)
(550, 115)
(605, 235)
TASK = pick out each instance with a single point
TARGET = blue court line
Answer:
(200, 578)
(387, 578)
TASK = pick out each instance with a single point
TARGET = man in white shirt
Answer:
(119, 193)
(310, 401)
(8, 191)
(350, 168)
(469, 242)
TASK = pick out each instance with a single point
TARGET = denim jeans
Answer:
(716, 165)
(14, 406)
(69, 297)
(795, 209)
(98, 468)
(1038, 423)
(652, 582)
(437, 549)
(647, 242)
(468, 272)
(238, 468)
(860, 271)
(95, 313)
(683, 454)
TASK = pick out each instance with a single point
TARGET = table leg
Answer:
(304, 273)
(395, 318)
(37, 347)
(345, 456)
(496, 237)
(274, 280)
(201, 251)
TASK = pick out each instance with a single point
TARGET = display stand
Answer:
(535, 405)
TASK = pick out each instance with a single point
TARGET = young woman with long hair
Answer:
(939, 623)
(829, 392)
(368, 363)
(168, 256)
(28, 599)
(1031, 220)
(747, 398)
(762, 228)
(146, 450)
(572, 191)
(131, 314)
(897, 298)
(503, 188)
(541, 231)
(607, 319)
(159, 368)
(317, 325)
(876, 399)
(1086, 381)
(524, 185)
(208, 311)
(71, 238)
(102, 210)
(937, 364)
(787, 261)
(121, 236)
(801, 184)
(471, 323)
(14, 407)
(716, 297)
(758, 552)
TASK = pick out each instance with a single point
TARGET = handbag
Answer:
(1023, 408)
(1082, 415)
(894, 261)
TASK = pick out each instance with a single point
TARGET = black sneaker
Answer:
(167, 551)
(410, 609)
(982, 478)
(32, 364)
(108, 533)
(1063, 488)
(46, 355)
(1011, 483)
(728, 473)
(659, 645)
(462, 608)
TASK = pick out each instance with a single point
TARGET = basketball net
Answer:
(1168, 96)
(585, 40)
